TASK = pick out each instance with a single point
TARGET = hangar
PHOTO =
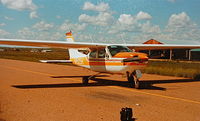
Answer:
(172, 54)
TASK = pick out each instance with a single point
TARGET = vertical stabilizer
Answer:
(73, 53)
(69, 37)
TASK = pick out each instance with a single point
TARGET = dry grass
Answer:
(172, 68)
(26, 55)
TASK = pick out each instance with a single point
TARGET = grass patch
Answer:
(173, 68)
(25, 54)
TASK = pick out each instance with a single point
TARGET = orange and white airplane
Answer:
(102, 58)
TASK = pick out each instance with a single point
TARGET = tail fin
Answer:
(73, 53)
(69, 37)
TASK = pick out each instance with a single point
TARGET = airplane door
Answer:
(97, 60)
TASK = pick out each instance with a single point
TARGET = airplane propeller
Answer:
(131, 59)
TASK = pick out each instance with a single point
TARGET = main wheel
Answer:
(85, 80)
(131, 80)
(137, 83)
(134, 82)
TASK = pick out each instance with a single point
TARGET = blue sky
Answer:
(111, 21)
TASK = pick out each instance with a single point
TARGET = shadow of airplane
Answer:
(78, 76)
(145, 84)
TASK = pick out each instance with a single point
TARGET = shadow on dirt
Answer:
(144, 84)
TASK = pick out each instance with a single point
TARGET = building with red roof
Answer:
(152, 41)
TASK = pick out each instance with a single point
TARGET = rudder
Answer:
(69, 37)
(73, 53)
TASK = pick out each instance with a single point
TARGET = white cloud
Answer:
(101, 7)
(132, 28)
(33, 14)
(102, 19)
(21, 5)
(43, 26)
(143, 16)
(26, 33)
(181, 27)
(149, 28)
(83, 37)
(3, 33)
(126, 19)
(172, 1)
(2, 24)
(48, 31)
(57, 36)
(176, 21)
(132, 23)
(68, 26)
(58, 17)
(8, 18)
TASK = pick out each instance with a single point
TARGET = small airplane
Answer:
(100, 57)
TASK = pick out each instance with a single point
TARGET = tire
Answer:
(134, 82)
(137, 84)
(131, 81)
(85, 80)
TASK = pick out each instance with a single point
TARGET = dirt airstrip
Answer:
(32, 91)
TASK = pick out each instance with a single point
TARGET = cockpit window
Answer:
(114, 49)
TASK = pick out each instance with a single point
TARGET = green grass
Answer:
(173, 68)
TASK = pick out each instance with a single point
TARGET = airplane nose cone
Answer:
(143, 56)
(125, 55)
(130, 57)
(140, 56)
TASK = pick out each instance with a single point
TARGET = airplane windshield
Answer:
(114, 49)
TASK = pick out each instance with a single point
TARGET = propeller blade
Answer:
(131, 59)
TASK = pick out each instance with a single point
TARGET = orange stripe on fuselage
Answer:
(114, 63)
(101, 62)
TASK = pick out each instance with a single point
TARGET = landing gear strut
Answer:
(85, 79)
(133, 79)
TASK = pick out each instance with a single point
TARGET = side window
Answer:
(101, 53)
(93, 54)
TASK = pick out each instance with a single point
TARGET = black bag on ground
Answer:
(126, 114)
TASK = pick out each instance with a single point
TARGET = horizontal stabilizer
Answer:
(56, 61)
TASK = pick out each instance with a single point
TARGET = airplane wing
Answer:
(65, 44)
(50, 44)
(56, 61)
(160, 46)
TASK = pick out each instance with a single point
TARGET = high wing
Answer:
(160, 46)
(65, 44)
(50, 44)
(56, 61)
